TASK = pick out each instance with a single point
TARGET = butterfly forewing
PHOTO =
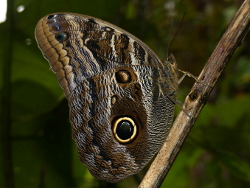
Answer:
(118, 92)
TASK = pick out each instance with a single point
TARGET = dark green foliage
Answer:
(216, 152)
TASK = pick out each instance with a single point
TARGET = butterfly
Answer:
(121, 96)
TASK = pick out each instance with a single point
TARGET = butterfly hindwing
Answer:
(120, 95)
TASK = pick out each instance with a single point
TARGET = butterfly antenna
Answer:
(169, 37)
(177, 30)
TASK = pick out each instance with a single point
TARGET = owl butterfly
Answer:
(120, 95)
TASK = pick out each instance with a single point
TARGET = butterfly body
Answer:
(120, 95)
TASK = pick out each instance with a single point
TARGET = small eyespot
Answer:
(51, 16)
(124, 130)
(108, 29)
(113, 99)
(92, 21)
(55, 28)
(61, 36)
(123, 76)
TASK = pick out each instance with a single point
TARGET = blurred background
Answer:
(38, 134)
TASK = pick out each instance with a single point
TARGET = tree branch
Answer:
(198, 96)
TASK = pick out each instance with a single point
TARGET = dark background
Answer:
(216, 152)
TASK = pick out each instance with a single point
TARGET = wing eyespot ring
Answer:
(124, 130)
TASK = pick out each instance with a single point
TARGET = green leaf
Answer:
(235, 165)
(30, 99)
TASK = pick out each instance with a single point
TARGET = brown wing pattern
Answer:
(119, 93)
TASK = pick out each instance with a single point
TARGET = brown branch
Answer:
(198, 96)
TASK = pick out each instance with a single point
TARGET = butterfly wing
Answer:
(120, 95)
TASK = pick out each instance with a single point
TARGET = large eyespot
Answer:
(123, 76)
(124, 130)
(61, 36)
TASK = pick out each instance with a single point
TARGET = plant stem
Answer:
(198, 96)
